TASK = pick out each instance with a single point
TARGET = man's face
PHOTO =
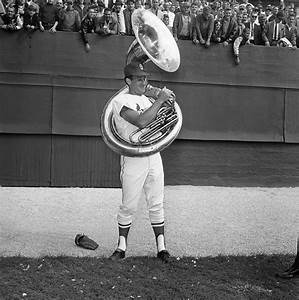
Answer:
(245, 17)
(138, 84)
(50, 1)
(118, 8)
(31, 12)
(131, 6)
(292, 20)
(107, 15)
(206, 12)
(185, 8)
(253, 17)
(10, 12)
(227, 13)
(275, 10)
(59, 3)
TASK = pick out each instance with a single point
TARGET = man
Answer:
(293, 271)
(258, 30)
(48, 16)
(88, 26)
(253, 21)
(81, 7)
(291, 30)
(203, 26)
(274, 30)
(128, 17)
(10, 21)
(182, 23)
(156, 10)
(69, 20)
(106, 25)
(228, 27)
(132, 111)
(169, 13)
(118, 14)
(31, 19)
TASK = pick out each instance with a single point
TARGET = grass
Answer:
(222, 277)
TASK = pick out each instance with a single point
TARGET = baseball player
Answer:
(132, 111)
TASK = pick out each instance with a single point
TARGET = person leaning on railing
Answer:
(11, 21)
(88, 26)
(48, 16)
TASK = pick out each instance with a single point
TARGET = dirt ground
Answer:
(200, 221)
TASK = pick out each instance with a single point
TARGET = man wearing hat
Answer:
(132, 111)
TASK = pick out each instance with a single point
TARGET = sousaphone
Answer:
(154, 42)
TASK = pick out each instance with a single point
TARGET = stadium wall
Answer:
(235, 117)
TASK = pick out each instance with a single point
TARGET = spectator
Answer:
(81, 7)
(147, 5)
(156, 10)
(11, 21)
(138, 4)
(128, 17)
(216, 35)
(106, 25)
(194, 9)
(245, 18)
(240, 25)
(100, 8)
(88, 26)
(69, 19)
(33, 3)
(291, 30)
(259, 29)
(240, 41)
(182, 23)
(167, 11)
(228, 27)
(166, 22)
(274, 30)
(268, 12)
(273, 14)
(31, 19)
(118, 14)
(203, 26)
(253, 20)
(20, 8)
(48, 17)
(220, 14)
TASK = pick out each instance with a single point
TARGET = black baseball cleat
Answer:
(118, 254)
(292, 272)
(163, 255)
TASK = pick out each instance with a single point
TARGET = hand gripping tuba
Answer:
(153, 42)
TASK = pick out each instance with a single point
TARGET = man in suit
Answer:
(274, 30)
(106, 25)
(128, 17)
(182, 23)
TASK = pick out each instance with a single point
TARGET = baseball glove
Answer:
(85, 242)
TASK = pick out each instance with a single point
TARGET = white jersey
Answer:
(134, 102)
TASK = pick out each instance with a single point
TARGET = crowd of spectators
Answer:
(235, 22)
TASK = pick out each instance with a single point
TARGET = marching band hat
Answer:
(134, 69)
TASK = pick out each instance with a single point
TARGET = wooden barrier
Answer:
(53, 92)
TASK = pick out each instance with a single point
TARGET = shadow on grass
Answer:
(222, 277)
